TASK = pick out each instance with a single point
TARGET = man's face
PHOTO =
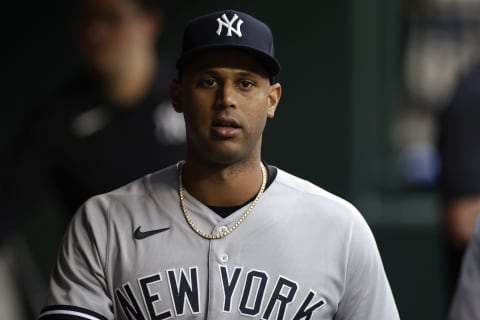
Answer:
(226, 98)
(113, 32)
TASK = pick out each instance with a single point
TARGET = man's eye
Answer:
(245, 84)
(207, 82)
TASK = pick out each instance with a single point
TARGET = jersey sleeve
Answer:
(367, 293)
(465, 304)
(78, 287)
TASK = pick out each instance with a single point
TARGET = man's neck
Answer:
(128, 86)
(223, 186)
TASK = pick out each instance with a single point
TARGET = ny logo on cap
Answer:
(229, 25)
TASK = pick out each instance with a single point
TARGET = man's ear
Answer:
(176, 95)
(273, 99)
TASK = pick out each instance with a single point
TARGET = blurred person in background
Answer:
(465, 304)
(437, 131)
(459, 146)
(108, 126)
(113, 123)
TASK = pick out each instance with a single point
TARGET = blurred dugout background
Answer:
(363, 82)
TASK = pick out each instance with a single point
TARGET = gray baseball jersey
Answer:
(303, 253)
(465, 304)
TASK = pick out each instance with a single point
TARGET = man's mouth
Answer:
(225, 128)
(225, 122)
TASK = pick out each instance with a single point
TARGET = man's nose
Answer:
(226, 96)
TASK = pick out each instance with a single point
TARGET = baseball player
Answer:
(465, 304)
(221, 235)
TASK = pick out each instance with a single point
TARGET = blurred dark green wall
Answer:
(341, 78)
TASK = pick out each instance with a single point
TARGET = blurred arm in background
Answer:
(460, 154)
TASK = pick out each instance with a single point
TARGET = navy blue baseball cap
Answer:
(229, 29)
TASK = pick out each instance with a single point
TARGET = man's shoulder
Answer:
(306, 187)
(313, 196)
(142, 189)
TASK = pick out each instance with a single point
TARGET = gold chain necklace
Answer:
(225, 233)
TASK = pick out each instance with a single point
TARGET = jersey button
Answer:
(224, 258)
(223, 229)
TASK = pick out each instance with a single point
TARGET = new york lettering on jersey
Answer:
(250, 293)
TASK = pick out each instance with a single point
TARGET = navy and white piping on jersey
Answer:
(64, 312)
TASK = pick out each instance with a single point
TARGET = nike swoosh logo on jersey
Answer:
(139, 235)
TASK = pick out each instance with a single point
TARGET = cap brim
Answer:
(271, 64)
